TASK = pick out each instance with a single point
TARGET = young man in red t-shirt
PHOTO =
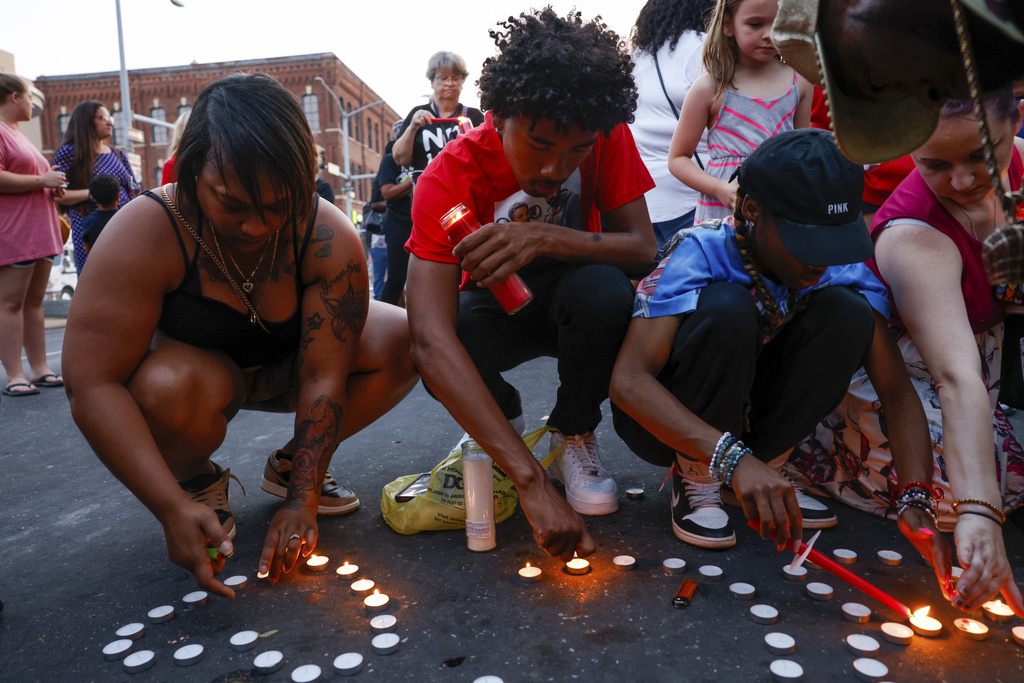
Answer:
(554, 178)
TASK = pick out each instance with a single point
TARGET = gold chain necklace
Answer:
(253, 315)
(247, 285)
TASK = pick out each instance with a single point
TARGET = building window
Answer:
(376, 137)
(311, 108)
(158, 176)
(62, 124)
(348, 107)
(119, 135)
(158, 133)
(358, 124)
(184, 109)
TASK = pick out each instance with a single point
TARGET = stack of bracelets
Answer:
(727, 453)
(920, 495)
(997, 515)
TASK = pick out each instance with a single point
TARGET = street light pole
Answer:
(126, 101)
(347, 164)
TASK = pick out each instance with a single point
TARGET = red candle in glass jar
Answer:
(512, 293)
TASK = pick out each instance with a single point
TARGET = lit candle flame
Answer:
(376, 591)
(923, 612)
(527, 565)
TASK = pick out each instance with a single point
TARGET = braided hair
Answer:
(771, 317)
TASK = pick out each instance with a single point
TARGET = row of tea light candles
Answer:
(921, 623)
(375, 602)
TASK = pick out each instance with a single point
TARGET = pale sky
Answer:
(385, 42)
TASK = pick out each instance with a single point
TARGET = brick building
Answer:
(164, 93)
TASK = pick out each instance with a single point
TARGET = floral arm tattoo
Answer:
(317, 437)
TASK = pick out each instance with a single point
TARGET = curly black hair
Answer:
(662, 21)
(560, 69)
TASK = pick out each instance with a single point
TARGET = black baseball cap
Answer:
(814, 195)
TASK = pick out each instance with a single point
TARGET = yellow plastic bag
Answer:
(443, 505)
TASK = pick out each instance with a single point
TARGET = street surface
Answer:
(80, 558)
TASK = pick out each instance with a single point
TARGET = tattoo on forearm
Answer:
(317, 437)
(597, 236)
(348, 311)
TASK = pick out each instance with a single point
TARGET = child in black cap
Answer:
(748, 333)
(104, 190)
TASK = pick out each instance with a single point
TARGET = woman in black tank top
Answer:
(236, 288)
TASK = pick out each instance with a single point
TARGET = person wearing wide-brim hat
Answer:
(748, 333)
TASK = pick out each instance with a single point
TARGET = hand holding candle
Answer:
(512, 293)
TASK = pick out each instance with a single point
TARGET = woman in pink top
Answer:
(948, 323)
(29, 238)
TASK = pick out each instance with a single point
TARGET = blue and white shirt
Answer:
(708, 254)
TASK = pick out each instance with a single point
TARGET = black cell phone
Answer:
(413, 489)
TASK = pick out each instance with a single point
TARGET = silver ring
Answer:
(294, 536)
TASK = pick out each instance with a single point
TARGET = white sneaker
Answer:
(588, 487)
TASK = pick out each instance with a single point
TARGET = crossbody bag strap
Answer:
(675, 112)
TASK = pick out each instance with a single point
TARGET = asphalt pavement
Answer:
(80, 558)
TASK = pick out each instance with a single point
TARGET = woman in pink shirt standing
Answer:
(29, 238)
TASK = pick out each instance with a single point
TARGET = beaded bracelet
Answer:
(921, 485)
(727, 479)
(724, 442)
(921, 496)
(980, 514)
(983, 503)
(919, 506)
(729, 460)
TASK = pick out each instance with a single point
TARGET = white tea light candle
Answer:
(307, 673)
(268, 662)
(196, 598)
(624, 563)
(786, 670)
(348, 664)
(131, 631)
(764, 614)
(900, 634)
(385, 643)
(856, 612)
(779, 643)
(244, 640)
(117, 649)
(385, 623)
(862, 645)
(710, 572)
(139, 661)
(890, 557)
(674, 565)
(870, 670)
(187, 655)
(160, 614)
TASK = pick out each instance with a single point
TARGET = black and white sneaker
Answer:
(816, 514)
(697, 514)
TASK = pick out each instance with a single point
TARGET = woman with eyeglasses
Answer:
(87, 151)
(422, 137)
